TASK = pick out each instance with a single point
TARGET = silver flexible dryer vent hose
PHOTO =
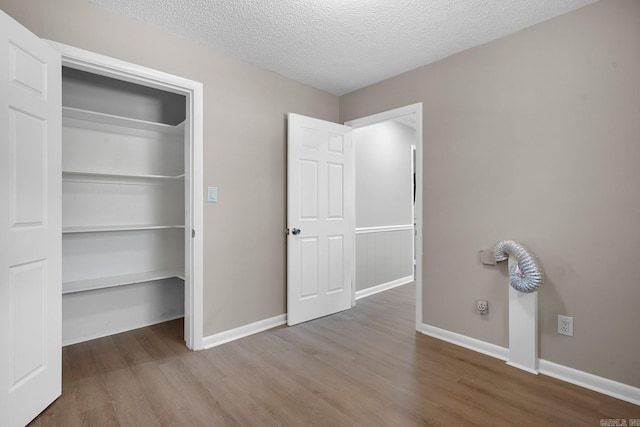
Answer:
(527, 275)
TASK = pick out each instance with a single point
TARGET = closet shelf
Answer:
(106, 228)
(123, 280)
(120, 121)
(115, 177)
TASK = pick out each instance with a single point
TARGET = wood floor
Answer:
(363, 367)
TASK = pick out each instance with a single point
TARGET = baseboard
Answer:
(564, 373)
(243, 331)
(383, 287)
(592, 382)
(523, 367)
(466, 342)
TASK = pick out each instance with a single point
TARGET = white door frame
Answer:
(414, 188)
(193, 91)
(383, 117)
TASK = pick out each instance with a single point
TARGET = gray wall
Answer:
(384, 187)
(535, 137)
(384, 197)
(244, 148)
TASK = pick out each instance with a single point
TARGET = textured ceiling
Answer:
(341, 45)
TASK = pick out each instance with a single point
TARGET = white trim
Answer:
(413, 211)
(193, 92)
(524, 367)
(383, 229)
(592, 382)
(386, 116)
(466, 342)
(589, 381)
(196, 108)
(390, 115)
(243, 331)
(523, 327)
(96, 63)
(383, 287)
(406, 122)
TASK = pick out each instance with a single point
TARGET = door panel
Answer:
(27, 70)
(335, 174)
(27, 291)
(336, 263)
(321, 206)
(27, 148)
(30, 233)
(309, 262)
(308, 190)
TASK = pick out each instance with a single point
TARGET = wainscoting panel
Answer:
(383, 255)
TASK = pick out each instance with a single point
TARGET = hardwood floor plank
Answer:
(129, 402)
(131, 349)
(100, 416)
(203, 409)
(106, 356)
(167, 405)
(78, 362)
(61, 413)
(90, 393)
(159, 343)
(241, 410)
(362, 367)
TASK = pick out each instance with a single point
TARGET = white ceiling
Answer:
(342, 45)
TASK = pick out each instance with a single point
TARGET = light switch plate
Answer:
(212, 194)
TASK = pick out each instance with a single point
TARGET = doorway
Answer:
(404, 127)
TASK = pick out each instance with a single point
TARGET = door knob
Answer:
(295, 231)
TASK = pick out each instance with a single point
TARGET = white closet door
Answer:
(321, 218)
(30, 227)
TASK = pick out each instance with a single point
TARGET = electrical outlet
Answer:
(565, 325)
(482, 306)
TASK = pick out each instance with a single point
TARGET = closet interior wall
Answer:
(123, 206)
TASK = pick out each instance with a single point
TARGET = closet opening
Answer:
(125, 205)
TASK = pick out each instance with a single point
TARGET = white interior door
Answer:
(321, 218)
(30, 233)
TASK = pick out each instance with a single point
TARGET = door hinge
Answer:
(193, 233)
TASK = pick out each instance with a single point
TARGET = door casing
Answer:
(383, 117)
